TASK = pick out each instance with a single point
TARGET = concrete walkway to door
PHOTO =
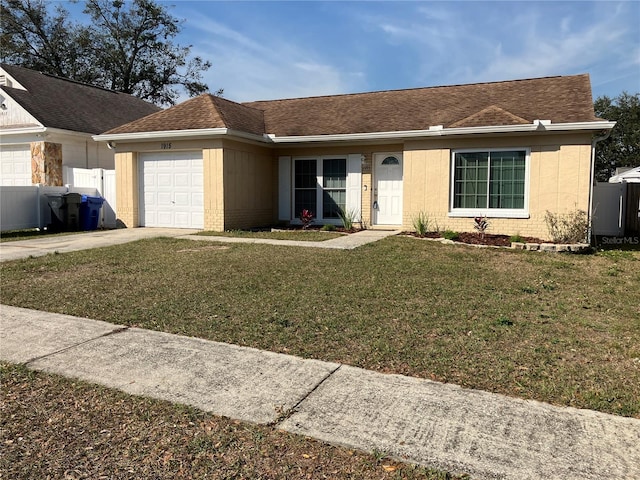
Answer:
(343, 242)
(44, 245)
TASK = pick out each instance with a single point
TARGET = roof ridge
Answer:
(515, 80)
(487, 109)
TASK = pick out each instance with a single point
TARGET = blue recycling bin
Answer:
(90, 212)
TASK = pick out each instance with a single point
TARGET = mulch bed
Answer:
(479, 239)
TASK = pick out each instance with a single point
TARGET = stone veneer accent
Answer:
(46, 163)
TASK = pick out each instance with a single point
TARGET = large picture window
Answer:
(490, 182)
(320, 185)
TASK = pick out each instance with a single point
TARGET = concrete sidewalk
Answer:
(40, 246)
(438, 425)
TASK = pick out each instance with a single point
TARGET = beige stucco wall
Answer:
(241, 179)
(559, 181)
(249, 197)
(126, 164)
(238, 182)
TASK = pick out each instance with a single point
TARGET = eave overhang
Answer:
(537, 126)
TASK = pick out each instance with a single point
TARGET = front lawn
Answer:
(558, 328)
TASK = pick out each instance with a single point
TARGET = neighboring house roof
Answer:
(68, 105)
(559, 100)
(632, 176)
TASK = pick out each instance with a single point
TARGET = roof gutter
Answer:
(434, 131)
(440, 131)
(24, 130)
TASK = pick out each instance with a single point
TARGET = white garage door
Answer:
(172, 190)
(15, 165)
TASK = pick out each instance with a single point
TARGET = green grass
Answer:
(558, 328)
(52, 427)
(298, 235)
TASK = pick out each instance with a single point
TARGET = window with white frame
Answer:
(490, 182)
(320, 186)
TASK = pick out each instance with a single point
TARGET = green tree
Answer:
(129, 47)
(622, 148)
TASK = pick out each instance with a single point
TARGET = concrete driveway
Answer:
(37, 247)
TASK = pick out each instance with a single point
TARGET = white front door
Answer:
(387, 190)
(172, 189)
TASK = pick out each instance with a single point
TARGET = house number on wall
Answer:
(165, 146)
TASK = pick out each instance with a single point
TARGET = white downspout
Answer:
(592, 182)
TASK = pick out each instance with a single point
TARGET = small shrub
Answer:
(568, 228)
(328, 227)
(450, 235)
(421, 224)
(306, 217)
(516, 238)
(481, 224)
(348, 218)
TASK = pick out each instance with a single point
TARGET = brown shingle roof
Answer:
(559, 99)
(61, 103)
(202, 112)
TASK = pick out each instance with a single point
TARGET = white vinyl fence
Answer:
(23, 207)
(28, 206)
(104, 181)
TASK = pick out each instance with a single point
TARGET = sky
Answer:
(264, 50)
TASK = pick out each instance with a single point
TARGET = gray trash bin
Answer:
(72, 211)
(56, 204)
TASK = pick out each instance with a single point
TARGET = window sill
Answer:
(471, 213)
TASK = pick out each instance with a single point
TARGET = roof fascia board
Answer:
(539, 126)
(179, 134)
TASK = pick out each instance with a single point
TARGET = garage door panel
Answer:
(182, 180)
(173, 189)
(164, 179)
(197, 180)
(183, 199)
(15, 161)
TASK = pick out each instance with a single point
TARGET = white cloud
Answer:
(266, 66)
(542, 53)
